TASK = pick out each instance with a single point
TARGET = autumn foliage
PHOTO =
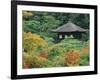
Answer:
(72, 58)
(32, 41)
(38, 53)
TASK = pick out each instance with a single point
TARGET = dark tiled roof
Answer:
(69, 27)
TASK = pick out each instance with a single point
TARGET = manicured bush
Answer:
(34, 61)
(42, 52)
(32, 42)
(72, 58)
(54, 51)
(85, 56)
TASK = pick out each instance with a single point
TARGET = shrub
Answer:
(84, 59)
(72, 58)
(27, 61)
(84, 56)
(49, 40)
(31, 42)
(71, 43)
(54, 51)
(34, 61)
(43, 54)
(58, 61)
(85, 49)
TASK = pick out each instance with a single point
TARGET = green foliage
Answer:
(34, 61)
(38, 40)
(33, 42)
(54, 51)
(49, 40)
(71, 43)
(44, 22)
(31, 26)
(58, 61)
(84, 59)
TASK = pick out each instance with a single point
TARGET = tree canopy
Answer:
(43, 22)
